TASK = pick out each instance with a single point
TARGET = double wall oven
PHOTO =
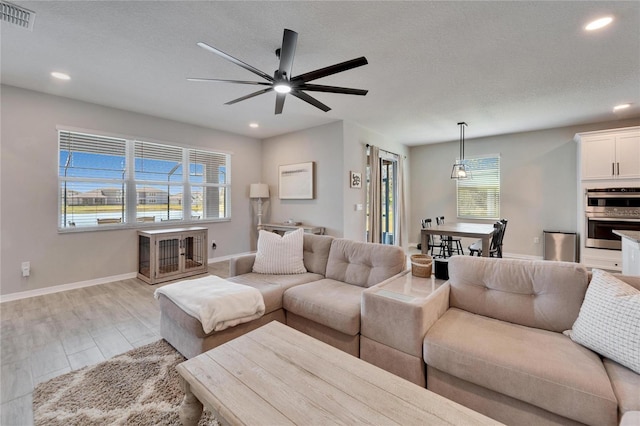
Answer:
(607, 209)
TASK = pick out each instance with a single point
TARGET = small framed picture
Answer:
(355, 179)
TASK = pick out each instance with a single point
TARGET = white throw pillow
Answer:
(609, 320)
(280, 254)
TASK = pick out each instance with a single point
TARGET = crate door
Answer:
(194, 251)
(168, 258)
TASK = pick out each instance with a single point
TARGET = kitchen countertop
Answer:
(634, 236)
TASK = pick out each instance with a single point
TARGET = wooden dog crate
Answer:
(170, 254)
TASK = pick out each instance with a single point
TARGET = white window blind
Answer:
(209, 179)
(155, 162)
(90, 156)
(117, 182)
(91, 180)
(479, 197)
(159, 182)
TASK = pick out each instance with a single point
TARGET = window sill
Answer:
(140, 225)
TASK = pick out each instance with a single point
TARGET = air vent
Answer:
(17, 15)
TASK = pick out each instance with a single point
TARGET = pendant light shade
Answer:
(460, 169)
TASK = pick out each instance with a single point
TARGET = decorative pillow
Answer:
(280, 254)
(609, 320)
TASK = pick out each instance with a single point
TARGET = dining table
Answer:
(482, 231)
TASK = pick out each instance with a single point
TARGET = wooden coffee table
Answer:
(275, 375)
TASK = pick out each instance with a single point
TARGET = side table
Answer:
(394, 322)
(281, 228)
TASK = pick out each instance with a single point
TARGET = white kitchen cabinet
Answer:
(613, 154)
(169, 254)
(628, 156)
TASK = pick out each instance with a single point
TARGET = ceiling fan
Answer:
(283, 82)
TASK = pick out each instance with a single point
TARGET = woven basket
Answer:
(421, 265)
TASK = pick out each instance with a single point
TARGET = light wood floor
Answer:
(45, 336)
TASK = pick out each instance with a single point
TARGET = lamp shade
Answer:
(259, 190)
(460, 171)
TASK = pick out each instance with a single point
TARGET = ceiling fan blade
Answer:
(235, 61)
(310, 100)
(332, 89)
(332, 69)
(251, 95)
(280, 97)
(216, 80)
(287, 52)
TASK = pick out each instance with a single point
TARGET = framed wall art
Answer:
(355, 179)
(295, 181)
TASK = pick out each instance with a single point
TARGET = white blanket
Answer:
(216, 302)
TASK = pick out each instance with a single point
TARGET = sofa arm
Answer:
(398, 313)
(436, 306)
(241, 265)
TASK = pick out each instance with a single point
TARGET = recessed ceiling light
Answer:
(60, 75)
(253, 125)
(599, 23)
(621, 106)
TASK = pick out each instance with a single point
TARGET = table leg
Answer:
(424, 248)
(191, 408)
(486, 243)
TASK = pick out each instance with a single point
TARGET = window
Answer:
(479, 197)
(124, 182)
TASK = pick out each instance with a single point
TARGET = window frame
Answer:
(129, 183)
(465, 184)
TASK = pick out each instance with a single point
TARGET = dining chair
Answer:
(419, 246)
(502, 232)
(449, 241)
(431, 240)
(495, 248)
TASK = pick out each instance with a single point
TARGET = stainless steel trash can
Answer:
(559, 245)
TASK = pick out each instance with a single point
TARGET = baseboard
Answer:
(521, 256)
(65, 287)
(72, 286)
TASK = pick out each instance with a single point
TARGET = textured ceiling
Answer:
(502, 67)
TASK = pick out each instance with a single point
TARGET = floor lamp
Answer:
(259, 191)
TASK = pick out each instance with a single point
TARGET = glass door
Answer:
(388, 207)
(382, 197)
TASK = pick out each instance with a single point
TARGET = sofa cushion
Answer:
(272, 286)
(540, 294)
(280, 254)
(540, 367)
(609, 320)
(316, 253)
(363, 264)
(327, 302)
(626, 386)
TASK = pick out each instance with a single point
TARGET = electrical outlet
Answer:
(214, 245)
(26, 269)
(536, 240)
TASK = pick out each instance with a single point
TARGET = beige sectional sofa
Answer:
(497, 346)
(490, 337)
(324, 302)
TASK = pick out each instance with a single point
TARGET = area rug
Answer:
(139, 387)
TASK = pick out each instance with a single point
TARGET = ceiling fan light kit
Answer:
(282, 82)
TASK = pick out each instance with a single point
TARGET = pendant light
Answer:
(460, 169)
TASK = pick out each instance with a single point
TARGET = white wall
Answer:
(355, 140)
(538, 182)
(337, 148)
(322, 145)
(29, 190)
